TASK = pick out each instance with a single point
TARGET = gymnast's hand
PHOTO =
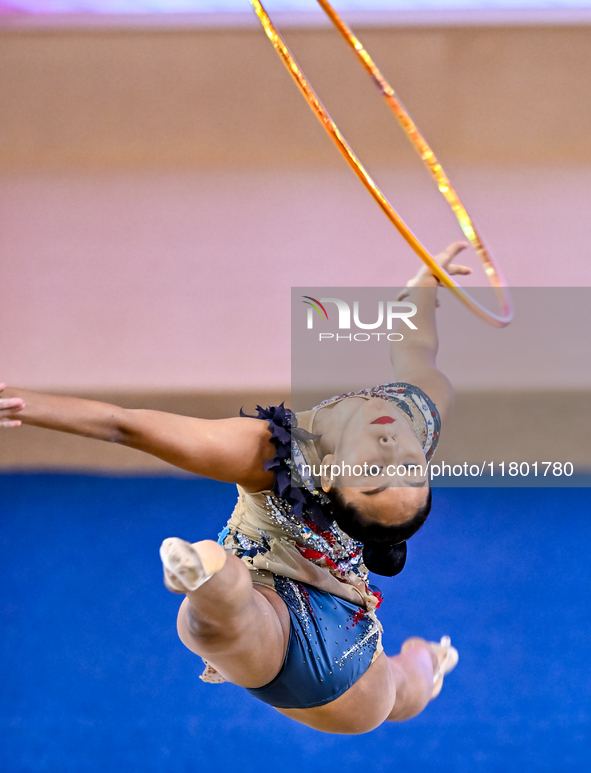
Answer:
(9, 407)
(425, 278)
(414, 358)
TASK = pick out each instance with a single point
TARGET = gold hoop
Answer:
(491, 269)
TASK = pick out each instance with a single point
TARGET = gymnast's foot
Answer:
(445, 658)
(187, 566)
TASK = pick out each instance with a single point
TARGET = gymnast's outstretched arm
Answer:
(230, 450)
(414, 358)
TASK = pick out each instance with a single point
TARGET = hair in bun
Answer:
(384, 550)
(384, 559)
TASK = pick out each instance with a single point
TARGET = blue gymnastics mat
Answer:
(94, 677)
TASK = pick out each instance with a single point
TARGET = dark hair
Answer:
(384, 547)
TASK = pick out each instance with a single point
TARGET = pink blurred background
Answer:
(162, 190)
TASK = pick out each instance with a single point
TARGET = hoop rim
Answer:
(492, 271)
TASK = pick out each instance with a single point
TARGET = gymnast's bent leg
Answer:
(241, 631)
(393, 688)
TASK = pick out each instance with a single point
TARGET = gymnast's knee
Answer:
(211, 625)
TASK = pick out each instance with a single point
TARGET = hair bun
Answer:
(384, 559)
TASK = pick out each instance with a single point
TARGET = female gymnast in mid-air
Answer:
(281, 604)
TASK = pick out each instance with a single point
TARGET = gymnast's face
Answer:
(378, 442)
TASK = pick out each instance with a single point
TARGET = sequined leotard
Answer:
(290, 543)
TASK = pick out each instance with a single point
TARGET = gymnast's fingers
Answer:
(10, 406)
(456, 268)
(444, 258)
(10, 423)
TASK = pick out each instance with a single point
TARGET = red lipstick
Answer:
(384, 420)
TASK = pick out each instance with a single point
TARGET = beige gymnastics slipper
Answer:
(447, 657)
(187, 566)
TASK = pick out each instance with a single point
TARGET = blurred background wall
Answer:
(161, 189)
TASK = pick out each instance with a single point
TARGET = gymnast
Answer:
(281, 604)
